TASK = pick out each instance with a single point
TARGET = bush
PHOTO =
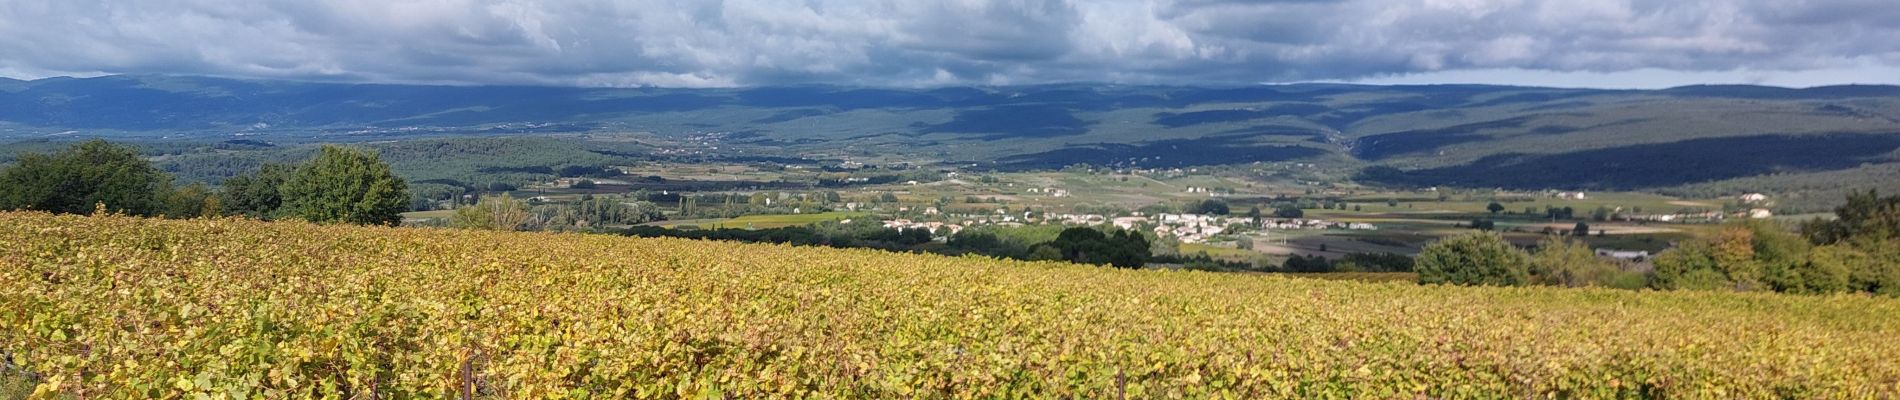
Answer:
(1570, 263)
(1473, 259)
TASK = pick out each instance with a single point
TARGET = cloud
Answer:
(937, 42)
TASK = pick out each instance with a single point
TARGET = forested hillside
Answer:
(1701, 139)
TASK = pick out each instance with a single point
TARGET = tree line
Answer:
(1858, 251)
(337, 185)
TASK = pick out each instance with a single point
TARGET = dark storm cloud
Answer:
(930, 42)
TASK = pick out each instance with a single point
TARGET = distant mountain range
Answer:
(1468, 135)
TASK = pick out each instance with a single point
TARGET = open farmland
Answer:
(127, 307)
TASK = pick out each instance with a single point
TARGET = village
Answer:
(1185, 228)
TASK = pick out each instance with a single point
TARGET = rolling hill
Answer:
(1697, 138)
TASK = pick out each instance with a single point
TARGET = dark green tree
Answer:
(256, 194)
(79, 178)
(1298, 263)
(1211, 207)
(1582, 229)
(191, 201)
(1866, 215)
(1495, 208)
(1473, 259)
(346, 185)
(1089, 246)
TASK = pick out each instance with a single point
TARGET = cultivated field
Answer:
(136, 308)
(766, 221)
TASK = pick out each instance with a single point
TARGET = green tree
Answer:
(1045, 253)
(1782, 256)
(1089, 246)
(1831, 269)
(346, 185)
(1495, 208)
(256, 194)
(1581, 230)
(1866, 215)
(498, 212)
(1570, 263)
(1690, 265)
(1211, 207)
(191, 201)
(1734, 250)
(1480, 258)
(77, 179)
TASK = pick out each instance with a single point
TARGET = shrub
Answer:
(1473, 259)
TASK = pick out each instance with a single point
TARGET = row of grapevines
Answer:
(126, 307)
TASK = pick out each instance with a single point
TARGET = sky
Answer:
(925, 43)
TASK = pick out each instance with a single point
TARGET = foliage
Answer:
(1570, 263)
(1304, 264)
(1762, 255)
(79, 178)
(1478, 258)
(497, 212)
(1090, 246)
(116, 307)
(1374, 262)
(1210, 207)
(257, 194)
(593, 212)
(346, 185)
(1866, 215)
(825, 234)
(191, 201)
(1690, 265)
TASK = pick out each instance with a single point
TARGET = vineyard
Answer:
(124, 307)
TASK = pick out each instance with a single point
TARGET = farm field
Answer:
(126, 307)
(767, 221)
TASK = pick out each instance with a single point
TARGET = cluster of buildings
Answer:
(930, 226)
(1052, 192)
(1197, 228)
(1297, 223)
(1191, 228)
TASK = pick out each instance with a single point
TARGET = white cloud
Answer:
(938, 42)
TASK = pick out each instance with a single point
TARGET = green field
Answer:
(767, 221)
